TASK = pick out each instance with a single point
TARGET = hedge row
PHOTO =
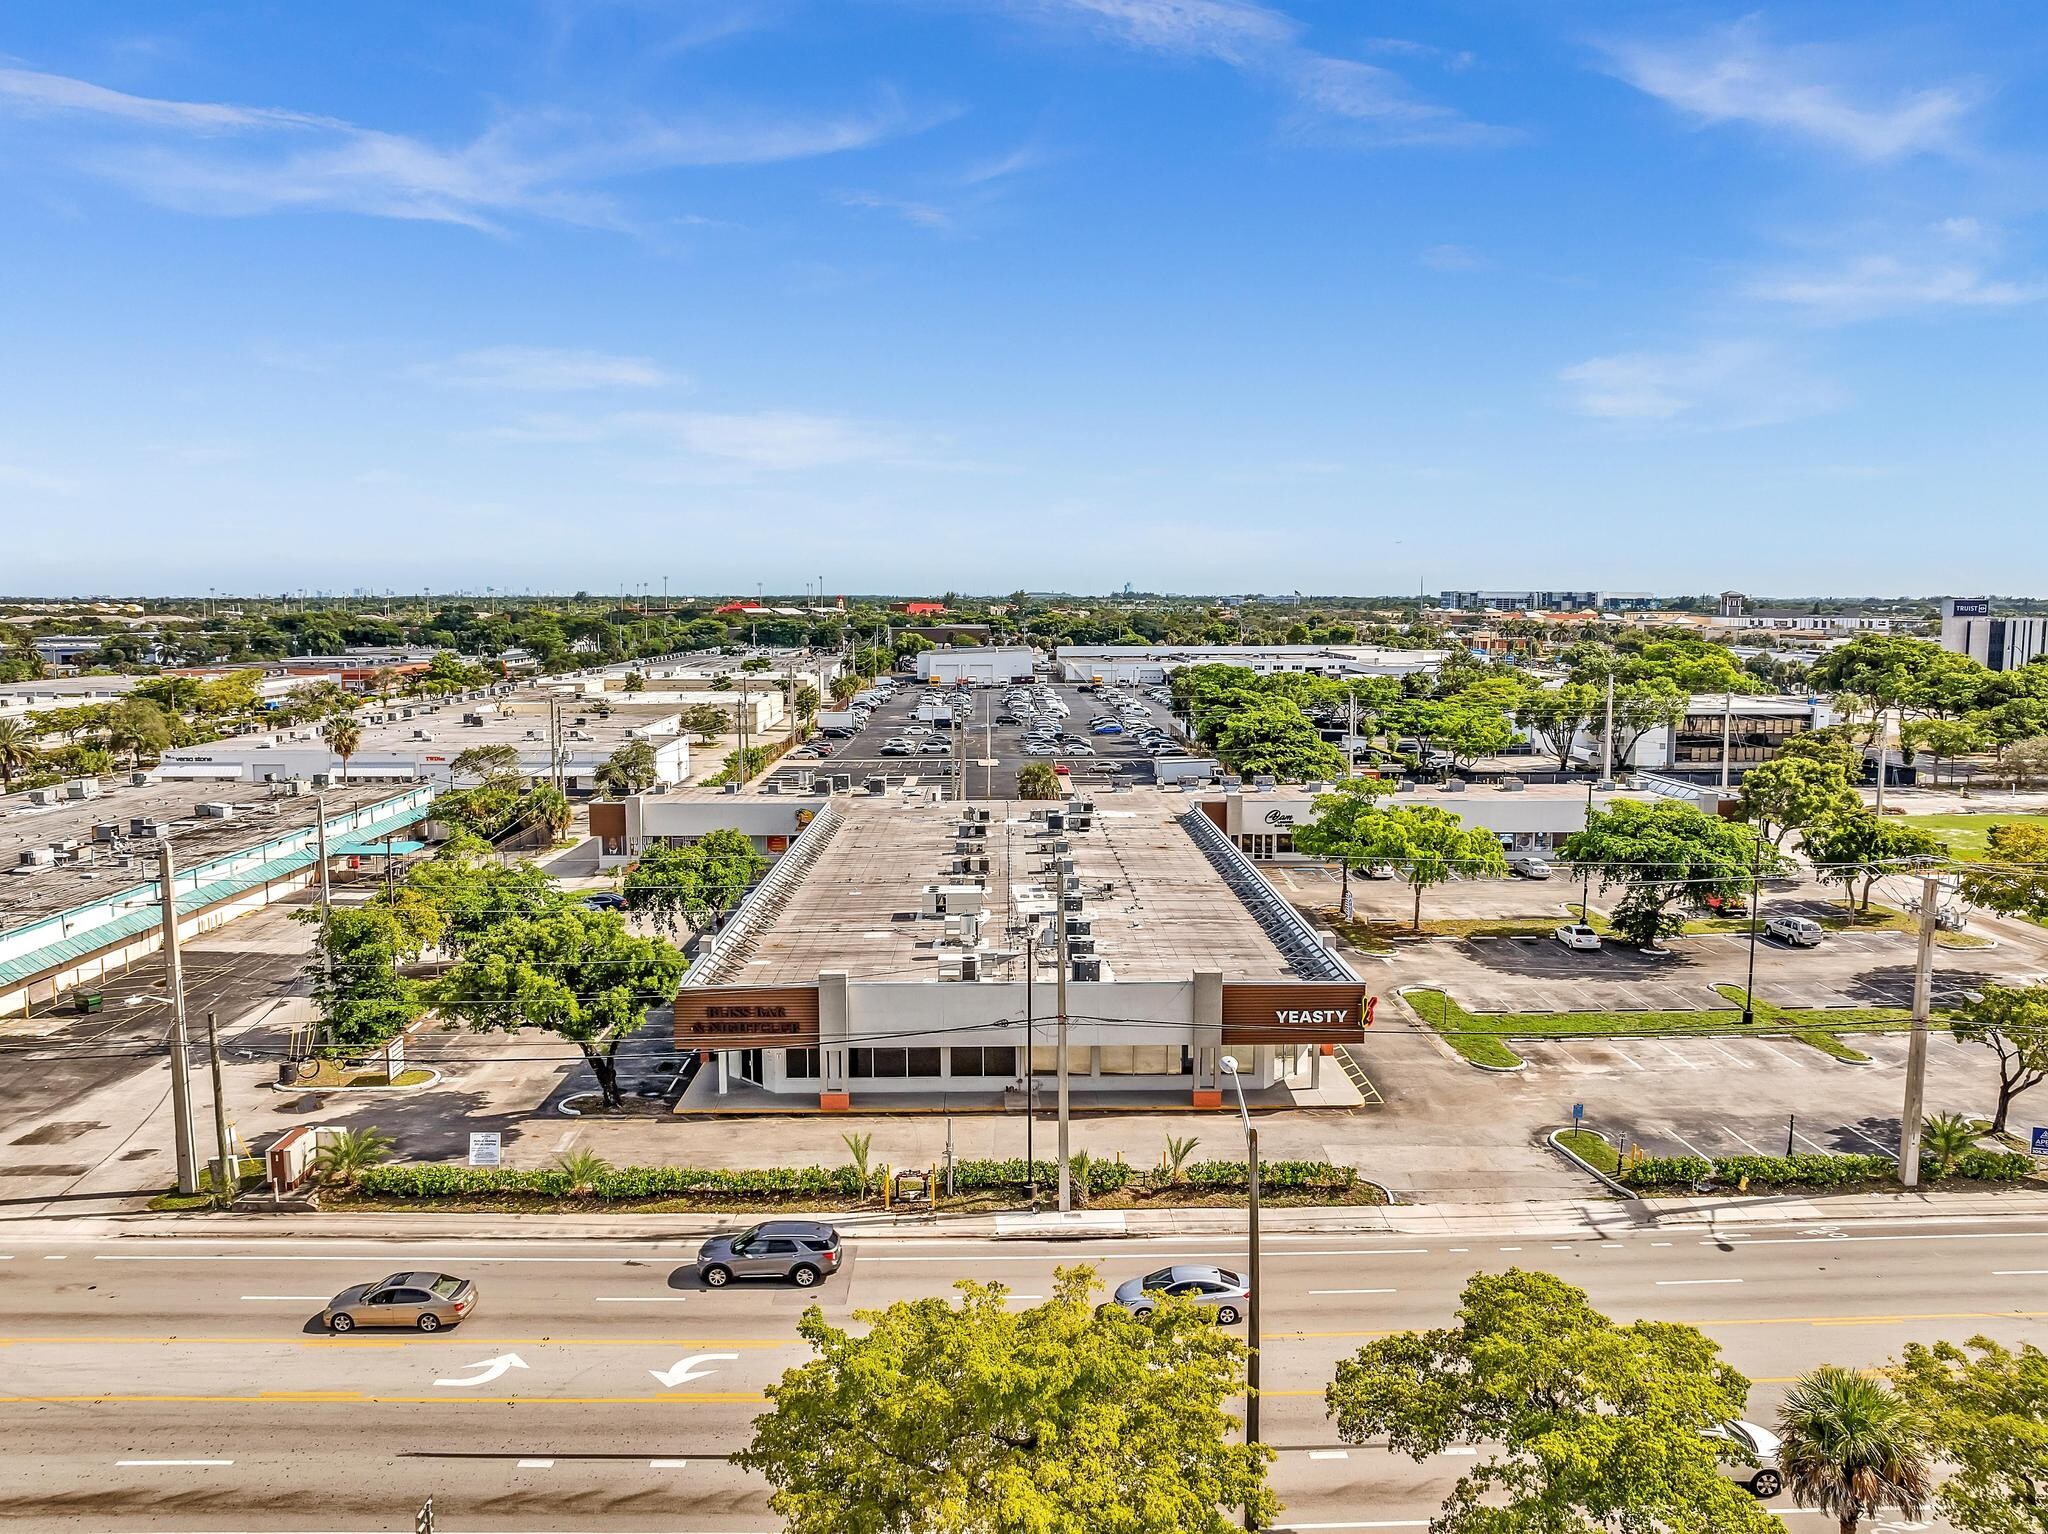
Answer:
(451, 1180)
(1809, 1170)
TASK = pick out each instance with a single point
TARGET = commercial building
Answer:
(626, 827)
(19, 698)
(1733, 727)
(1127, 665)
(2003, 644)
(909, 948)
(1527, 817)
(988, 665)
(1546, 601)
(79, 893)
(404, 742)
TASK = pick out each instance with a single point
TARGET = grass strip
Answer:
(1592, 1149)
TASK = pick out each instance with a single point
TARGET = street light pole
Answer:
(1916, 1045)
(1251, 1360)
(1030, 1074)
(1755, 915)
(181, 1060)
(1066, 1169)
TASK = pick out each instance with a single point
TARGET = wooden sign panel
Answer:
(1294, 1012)
(747, 1017)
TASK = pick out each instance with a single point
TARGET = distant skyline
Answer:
(921, 295)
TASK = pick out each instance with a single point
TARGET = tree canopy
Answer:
(1580, 1424)
(1669, 858)
(1860, 846)
(2012, 877)
(1790, 793)
(1986, 1410)
(2012, 1022)
(694, 884)
(985, 1418)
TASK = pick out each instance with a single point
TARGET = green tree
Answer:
(1037, 780)
(1580, 1424)
(485, 763)
(573, 972)
(1790, 793)
(341, 1161)
(547, 806)
(695, 884)
(1348, 826)
(473, 892)
(2012, 1022)
(1556, 715)
(1275, 737)
(1469, 731)
(706, 721)
(138, 727)
(1913, 676)
(2012, 877)
(634, 682)
(628, 770)
(1863, 846)
(1986, 1413)
(1640, 706)
(1852, 1447)
(1943, 740)
(18, 751)
(985, 1418)
(355, 969)
(344, 737)
(1669, 858)
(1945, 1138)
(1430, 845)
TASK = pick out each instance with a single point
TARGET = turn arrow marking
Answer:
(692, 1368)
(492, 1367)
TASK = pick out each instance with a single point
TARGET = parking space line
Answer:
(1681, 1139)
(1743, 1138)
(1813, 1144)
(1888, 1150)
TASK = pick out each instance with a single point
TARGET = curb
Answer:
(1445, 1044)
(1586, 1166)
(433, 1080)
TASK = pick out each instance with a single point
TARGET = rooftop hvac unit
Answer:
(963, 848)
(45, 796)
(963, 865)
(37, 857)
(1082, 807)
(1060, 845)
(148, 830)
(1087, 967)
(138, 780)
(1454, 786)
(970, 966)
(1070, 883)
(422, 734)
(1056, 820)
(217, 810)
(1513, 786)
(1063, 865)
(842, 782)
(106, 831)
(83, 788)
(1071, 904)
(533, 734)
(1080, 926)
(1079, 944)
(323, 780)
(84, 854)
(981, 865)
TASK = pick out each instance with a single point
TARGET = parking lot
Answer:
(1104, 760)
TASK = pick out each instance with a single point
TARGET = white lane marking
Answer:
(121, 1464)
(668, 1464)
(1957, 1235)
(4, 1258)
(310, 1297)
(1459, 1453)
(639, 1299)
(1354, 1291)
(1883, 1149)
(1681, 1283)
(56, 1257)
(535, 1464)
(1660, 1243)
(1511, 1249)
(1681, 1139)
(2019, 1272)
(694, 1367)
(1153, 1256)
(1328, 1454)
(1754, 1147)
(1461, 1249)
(492, 1368)
(1560, 1248)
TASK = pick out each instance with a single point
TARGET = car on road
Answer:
(424, 1301)
(1062, 769)
(1578, 935)
(800, 1252)
(1215, 1289)
(1796, 930)
(1530, 868)
(603, 900)
(1749, 1457)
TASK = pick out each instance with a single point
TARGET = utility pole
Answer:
(1916, 1046)
(1066, 1171)
(1884, 752)
(1607, 736)
(1030, 1072)
(1727, 735)
(320, 850)
(1351, 742)
(181, 1062)
(228, 1180)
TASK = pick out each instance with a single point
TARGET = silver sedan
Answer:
(1217, 1289)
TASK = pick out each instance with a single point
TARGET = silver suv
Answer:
(799, 1251)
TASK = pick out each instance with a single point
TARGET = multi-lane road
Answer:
(178, 1383)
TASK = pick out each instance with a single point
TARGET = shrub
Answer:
(1808, 1170)
(1994, 1166)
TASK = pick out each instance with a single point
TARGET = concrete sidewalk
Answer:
(1565, 1216)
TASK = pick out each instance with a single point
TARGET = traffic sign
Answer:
(2041, 1142)
(1578, 1113)
(483, 1148)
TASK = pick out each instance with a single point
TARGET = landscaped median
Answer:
(1817, 1172)
(978, 1186)
(1481, 1036)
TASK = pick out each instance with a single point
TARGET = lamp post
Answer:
(1251, 1362)
(1755, 900)
(1030, 1076)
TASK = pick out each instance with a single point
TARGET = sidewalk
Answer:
(1601, 1217)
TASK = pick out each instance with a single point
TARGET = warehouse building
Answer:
(984, 665)
(911, 950)
(79, 892)
(1128, 665)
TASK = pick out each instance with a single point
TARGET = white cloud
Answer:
(542, 369)
(1364, 103)
(1966, 231)
(1453, 258)
(1872, 286)
(221, 158)
(1735, 76)
(923, 214)
(763, 441)
(1715, 386)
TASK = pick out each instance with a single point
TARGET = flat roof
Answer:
(506, 720)
(1158, 908)
(261, 813)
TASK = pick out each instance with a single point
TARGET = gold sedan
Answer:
(425, 1301)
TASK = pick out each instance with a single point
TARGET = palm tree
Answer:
(857, 1147)
(344, 737)
(1945, 1139)
(343, 1159)
(1037, 780)
(583, 1168)
(1174, 1162)
(1852, 1448)
(634, 682)
(18, 751)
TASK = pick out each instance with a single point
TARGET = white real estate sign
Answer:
(483, 1148)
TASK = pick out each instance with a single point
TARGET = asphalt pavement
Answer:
(182, 1383)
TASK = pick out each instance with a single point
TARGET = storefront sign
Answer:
(736, 1017)
(1295, 1012)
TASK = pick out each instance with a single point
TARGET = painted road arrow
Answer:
(492, 1367)
(692, 1368)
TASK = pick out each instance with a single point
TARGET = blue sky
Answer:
(1206, 295)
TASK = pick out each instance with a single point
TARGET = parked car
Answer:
(1111, 727)
(1062, 769)
(1796, 930)
(934, 748)
(798, 1251)
(603, 900)
(1750, 1457)
(1530, 868)
(1577, 935)
(424, 1301)
(1216, 1289)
